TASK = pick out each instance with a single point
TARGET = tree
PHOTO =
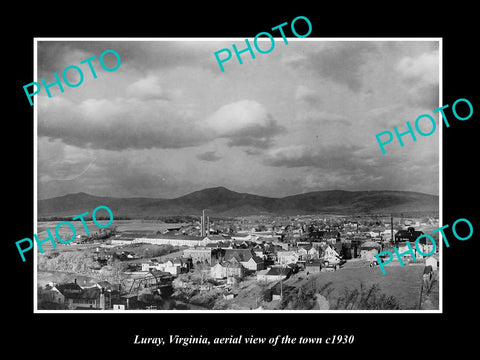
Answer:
(200, 269)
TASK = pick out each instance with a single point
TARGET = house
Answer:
(307, 252)
(184, 264)
(275, 273)
(199, 254)
(432, 261)
(126, 302)
(284, 246)
(313, 253)
(258, 250)
(313, 266)
(424, 247)
(403, 248)
(66, 289)
(302, 253)
(369, 249)
(330, 255)
(217, 271)
(226, 269)
(287, 257)
(240, 244)
(407, 235)
(246, 257)
(75, 297)
(169, 266)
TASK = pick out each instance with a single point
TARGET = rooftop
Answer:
(241, 255)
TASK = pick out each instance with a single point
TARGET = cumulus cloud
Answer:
(54, 56)
(209, 156)
(150, 88)
(340, 62)
(421, 74)
(142, 130)
(244, 123)
(118, 124)
(135, 123)
(424, 68)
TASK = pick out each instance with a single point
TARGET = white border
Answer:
(377, 39)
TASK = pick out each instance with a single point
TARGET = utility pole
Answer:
(281, 289)
(391, 228)
(421, 293)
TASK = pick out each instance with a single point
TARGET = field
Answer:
(404, 283)
(121, 225)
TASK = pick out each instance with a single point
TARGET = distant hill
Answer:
(223, 202)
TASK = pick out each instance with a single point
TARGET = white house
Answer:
(226, 269)
(254, 263)
(287, 257)
(369, 249)
(246, 257)
(307, 252)
(425, 248)
(167, 266)
(331, 255)
(273, 274)
(432, 261)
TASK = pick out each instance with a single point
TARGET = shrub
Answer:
(366, 299)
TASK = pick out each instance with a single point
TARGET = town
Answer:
(245, 263)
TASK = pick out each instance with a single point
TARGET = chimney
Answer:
(75, 281)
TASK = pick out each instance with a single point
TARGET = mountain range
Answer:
(220, 201)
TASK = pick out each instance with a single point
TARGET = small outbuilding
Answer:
(369, 249)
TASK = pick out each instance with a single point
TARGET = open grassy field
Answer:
(404, 283)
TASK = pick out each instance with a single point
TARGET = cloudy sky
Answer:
(301, 118)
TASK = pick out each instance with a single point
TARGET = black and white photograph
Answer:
(261, 187)
(217, 179)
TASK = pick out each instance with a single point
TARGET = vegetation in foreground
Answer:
(364, 298)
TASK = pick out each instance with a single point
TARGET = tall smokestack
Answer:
(208, 225)
(203, 224)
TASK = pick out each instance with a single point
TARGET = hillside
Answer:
(223, 202)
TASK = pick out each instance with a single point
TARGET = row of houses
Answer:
(174, 266)
(92, 296)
